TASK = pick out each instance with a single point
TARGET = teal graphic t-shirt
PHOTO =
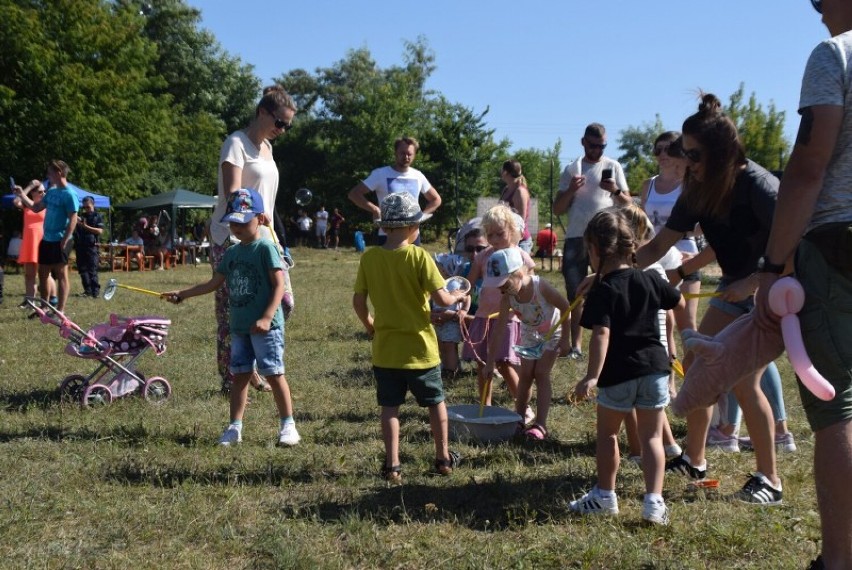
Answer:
(246, 270)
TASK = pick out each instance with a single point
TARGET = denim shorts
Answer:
(646, 393)
(449, 332)
(393, 383)
(264, 349)
(826, 323)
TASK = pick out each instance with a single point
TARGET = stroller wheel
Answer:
(157, 390)
(97, 395)
(72, 387)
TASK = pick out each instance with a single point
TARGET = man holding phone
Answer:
(588, 185)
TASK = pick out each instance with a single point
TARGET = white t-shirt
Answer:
(828, 81)
(258, 172)
(386, 180)
(591, 198)
(322, 220)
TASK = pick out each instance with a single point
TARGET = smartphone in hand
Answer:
(606, 173)
(12, 183)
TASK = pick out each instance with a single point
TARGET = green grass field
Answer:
(135, 485)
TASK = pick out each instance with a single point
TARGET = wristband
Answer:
(681, 272)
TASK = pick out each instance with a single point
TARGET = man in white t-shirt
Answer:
(587, 186)
(400, 177)
(321, 218)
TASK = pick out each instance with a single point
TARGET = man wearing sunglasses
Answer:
(587, 186)
(400, 177)
(815, 201)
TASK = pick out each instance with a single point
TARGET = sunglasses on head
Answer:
(474, 248)
(596, 146)
(817, 4)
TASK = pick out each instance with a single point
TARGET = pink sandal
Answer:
(535, 433)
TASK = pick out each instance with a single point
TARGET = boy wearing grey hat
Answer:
(399, 278)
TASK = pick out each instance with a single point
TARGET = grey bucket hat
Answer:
(399, 210)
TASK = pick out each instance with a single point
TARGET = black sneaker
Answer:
(758, 491)
(681, 466)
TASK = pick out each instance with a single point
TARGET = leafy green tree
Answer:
(212, 93)
(351, 113)
(762, 132)
(636, 144)
(75, 85)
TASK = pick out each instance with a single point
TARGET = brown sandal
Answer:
(446, 466)
(392, 474)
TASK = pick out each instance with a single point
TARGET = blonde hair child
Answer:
(502, 230)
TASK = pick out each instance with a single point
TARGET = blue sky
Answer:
(547, 69)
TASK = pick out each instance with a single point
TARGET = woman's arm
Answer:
(522, 201)
(643, 195)
(232, 178)
(657, 247)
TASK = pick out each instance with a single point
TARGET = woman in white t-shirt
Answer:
(246, 162)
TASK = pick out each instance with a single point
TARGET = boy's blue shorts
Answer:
(265, 349)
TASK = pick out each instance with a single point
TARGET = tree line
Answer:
(137, 97)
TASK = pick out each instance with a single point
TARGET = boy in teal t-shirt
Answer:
(398, 278)
(254, 274)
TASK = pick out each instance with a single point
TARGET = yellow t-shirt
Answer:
(398, 283)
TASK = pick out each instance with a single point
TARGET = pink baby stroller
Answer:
(116, 345)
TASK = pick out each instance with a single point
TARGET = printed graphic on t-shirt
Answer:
(403, 185)
(243, 284)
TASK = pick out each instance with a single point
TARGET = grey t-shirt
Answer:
(828, 81)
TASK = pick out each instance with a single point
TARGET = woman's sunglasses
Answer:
(817, 4)
(660, 149)
(280, 123)
(474, 248)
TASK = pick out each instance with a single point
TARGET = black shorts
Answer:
(51, 253)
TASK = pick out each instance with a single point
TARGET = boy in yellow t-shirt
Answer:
(399, 278)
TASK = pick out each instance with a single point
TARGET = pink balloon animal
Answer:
(742, 348)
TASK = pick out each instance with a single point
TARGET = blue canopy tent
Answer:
(101, 202)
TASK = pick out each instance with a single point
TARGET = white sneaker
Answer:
(288, 436)
(593, 504)
(655, 512)
(230, 436)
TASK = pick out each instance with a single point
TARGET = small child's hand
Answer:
(172, 297)
(262, 325)
(584, 388)
(488, 372)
